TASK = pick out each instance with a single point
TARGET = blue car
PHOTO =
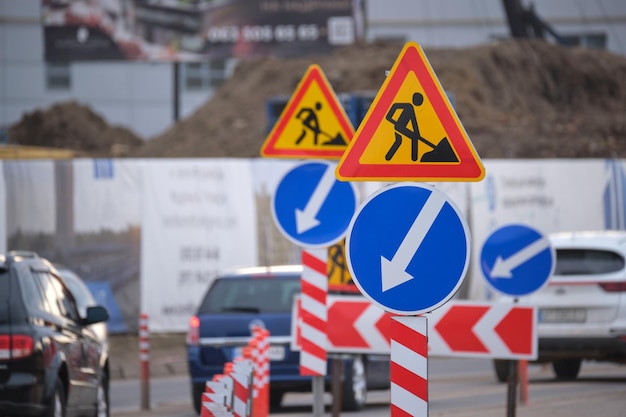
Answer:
(264, 296)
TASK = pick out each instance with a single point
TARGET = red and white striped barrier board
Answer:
(456, 329)
(210, 409)
(241, 387)
(355, 325)
(409, 366)
(314, 317)
(242, 374)
(212, 404)
(216, 392)
(217, 397)
(228, 380)
(492, 330)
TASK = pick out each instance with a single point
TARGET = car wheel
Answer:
(102, 399)
(276, 398)
(566, 369)
(196, 397)
(354, 389)
(56, 407)
(501, 367)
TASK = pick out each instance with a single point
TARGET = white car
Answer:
(582, 309)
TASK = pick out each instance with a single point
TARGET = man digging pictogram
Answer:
(402, 116)
(310, 122)
(338, 264)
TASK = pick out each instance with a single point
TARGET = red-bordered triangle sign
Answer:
(313, 123)
(411, 131)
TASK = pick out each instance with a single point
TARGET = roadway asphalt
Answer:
(168, 365)
(557, 408)
(167, 355)
(169, 410)
(456, 390)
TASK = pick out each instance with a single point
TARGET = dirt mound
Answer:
(70, 125)
(516, 99)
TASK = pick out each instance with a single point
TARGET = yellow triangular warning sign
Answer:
(313, 123)
(411, 132)
(339, 278)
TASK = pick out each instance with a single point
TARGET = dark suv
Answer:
(264, 296)
(51, 363)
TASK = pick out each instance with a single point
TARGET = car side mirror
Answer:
(96, 314)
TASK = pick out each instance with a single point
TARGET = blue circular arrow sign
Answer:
(311, 207)
(408, 248)
(517, 260)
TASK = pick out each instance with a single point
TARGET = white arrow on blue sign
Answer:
(311, 207)
(408, 248)
(517, 260)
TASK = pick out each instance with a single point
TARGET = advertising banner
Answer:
(199, 219)
(84, 215)
(31, 206)
(107, 223)
(150, 235)
(273, 246)
(175, 30)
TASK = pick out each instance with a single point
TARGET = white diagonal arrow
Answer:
(306, 219)
(502, 267)
(394, 271)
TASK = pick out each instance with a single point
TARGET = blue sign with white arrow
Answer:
(517, 260)
(311, 207)
(408, 248)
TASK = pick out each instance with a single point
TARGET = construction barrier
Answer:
(314, 281)
(243, 373)
(243, 388)
(216, 399)
(261, 382)
(409, 366)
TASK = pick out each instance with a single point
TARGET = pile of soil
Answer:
(70, 125)
(516, 99)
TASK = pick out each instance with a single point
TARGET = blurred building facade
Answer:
(147, 96)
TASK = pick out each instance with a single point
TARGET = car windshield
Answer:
(587, 262)
(254, 295)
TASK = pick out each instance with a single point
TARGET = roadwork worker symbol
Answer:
(310, 124)
(404, 120)
(338, 272)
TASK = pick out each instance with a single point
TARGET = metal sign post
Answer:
(408, 252)
(516, 260)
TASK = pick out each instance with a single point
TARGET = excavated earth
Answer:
(516, 99)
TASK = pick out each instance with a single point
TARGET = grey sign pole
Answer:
(318, 396)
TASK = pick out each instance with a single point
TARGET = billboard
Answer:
(188, 30)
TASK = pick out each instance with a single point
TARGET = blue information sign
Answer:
(311, 207)
(408, 248)
(517, 260)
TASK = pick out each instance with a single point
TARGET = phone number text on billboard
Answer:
(263, 33)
